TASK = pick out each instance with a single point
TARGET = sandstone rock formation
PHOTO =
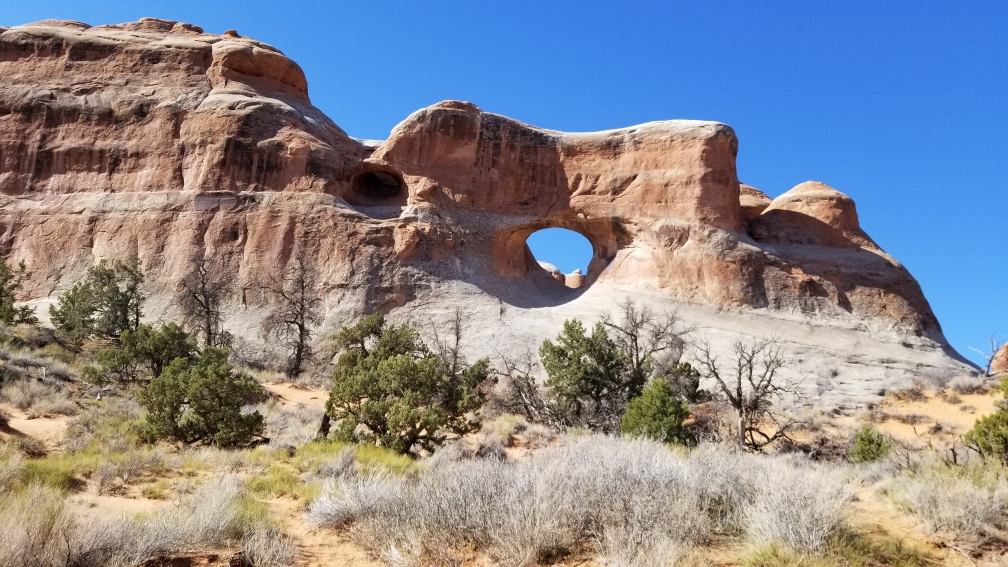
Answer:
(154, 138)
(999, 363)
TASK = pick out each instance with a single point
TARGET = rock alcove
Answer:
(377, 188)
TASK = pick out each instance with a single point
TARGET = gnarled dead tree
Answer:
(653, 342)
(995, 352)
(200, 297)
(296, 308)
(522, 394)
(751, 388)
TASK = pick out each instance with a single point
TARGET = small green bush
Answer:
(990, 433)
(201, 402)
(658, 413)
(869, 446)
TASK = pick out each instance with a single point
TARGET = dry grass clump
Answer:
(267, 546)
(964, 502)
(33, 353)
(41, 531)
(796, 505)
(10, 466)
(637, 501)
(966, 385)
(38, 398)
(343, 464)
(844, 548)
(119, 470)
(108, 426)
(289, 427)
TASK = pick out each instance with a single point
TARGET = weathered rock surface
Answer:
(154, 138)
(999, 363)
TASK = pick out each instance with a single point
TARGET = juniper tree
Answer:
(389, 389)
(11, 282)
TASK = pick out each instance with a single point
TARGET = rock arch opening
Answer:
(377, 187)
(564, 254)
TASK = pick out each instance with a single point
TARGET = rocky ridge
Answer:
(157, 139)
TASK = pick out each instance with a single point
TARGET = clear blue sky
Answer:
(901, 105)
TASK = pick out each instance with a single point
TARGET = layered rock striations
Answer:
(157, 139)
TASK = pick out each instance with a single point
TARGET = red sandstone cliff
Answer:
(157, 139)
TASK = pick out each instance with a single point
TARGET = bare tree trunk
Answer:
(741, 429)
(323, 430)
(295, 367)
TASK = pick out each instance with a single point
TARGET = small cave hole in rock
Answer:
(563, 253)
(377, 186)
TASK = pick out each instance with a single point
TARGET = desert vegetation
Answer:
(620, 442)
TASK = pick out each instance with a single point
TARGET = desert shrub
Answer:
(267, 546)
(108, 302)
(31, 447)
(35, 523)
(989, 435)
(109, 425)
(39, 530)
(797, 505)
(11, 282)
(143, 353)
(337, 467)
(955, 501)
(869, 446)
(115, 471)
(658, 413)
(389, 389)
(201, 402)
(289, 427)
(55, 473)
(634, 498)
(623, 547)
(965, 385)
(38, 398)
(589, 378)
(10, 466)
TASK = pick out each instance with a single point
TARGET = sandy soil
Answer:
(933, 419)
(94, 505)
(292, 395)
(319, 547)
(47, 429)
